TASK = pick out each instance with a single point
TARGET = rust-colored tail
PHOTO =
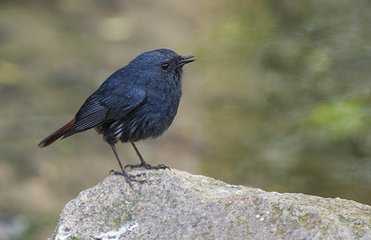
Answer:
(62, 132)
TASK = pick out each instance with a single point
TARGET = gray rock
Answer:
(177, 205)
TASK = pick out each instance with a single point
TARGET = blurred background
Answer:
(279, 98)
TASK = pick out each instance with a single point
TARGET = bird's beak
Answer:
(186, 59)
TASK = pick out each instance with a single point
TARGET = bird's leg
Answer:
(143, 163)
(128, 178)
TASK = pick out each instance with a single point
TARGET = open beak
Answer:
(186, 59)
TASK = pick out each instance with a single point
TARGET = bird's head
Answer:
(163, 63)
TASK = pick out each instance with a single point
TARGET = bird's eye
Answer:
(164, 66)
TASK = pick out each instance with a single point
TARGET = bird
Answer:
(136, 102)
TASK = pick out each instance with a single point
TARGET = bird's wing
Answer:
(122, 101)
(91, 114)
(112, 106)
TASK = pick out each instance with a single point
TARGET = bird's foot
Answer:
(146, 166)
(129, 178)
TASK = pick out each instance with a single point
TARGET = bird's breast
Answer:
(151, 118)
(163, 107)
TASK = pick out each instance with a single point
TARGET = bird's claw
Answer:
(129, 178)
(146, 166)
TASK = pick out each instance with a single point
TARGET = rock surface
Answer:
(177, 205)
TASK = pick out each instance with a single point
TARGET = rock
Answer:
(177, 205)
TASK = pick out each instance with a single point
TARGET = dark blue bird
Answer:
(136, 102)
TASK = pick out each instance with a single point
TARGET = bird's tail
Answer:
(64, 131)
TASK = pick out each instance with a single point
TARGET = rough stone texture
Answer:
(177, 205)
